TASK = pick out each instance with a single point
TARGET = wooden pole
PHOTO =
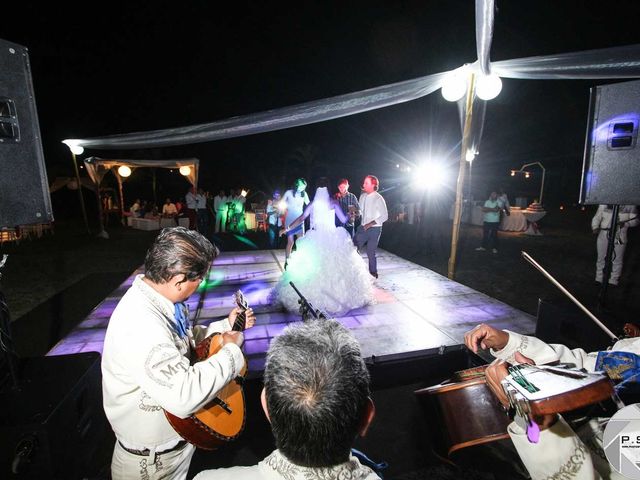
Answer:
(120, 191)
(84, 210)
(457, 211)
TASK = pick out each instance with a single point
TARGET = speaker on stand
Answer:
(611, 166)
(52, 424)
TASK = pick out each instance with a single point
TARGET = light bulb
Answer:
(124, 171)
(185, 170)
(454, 85)
(488, 87)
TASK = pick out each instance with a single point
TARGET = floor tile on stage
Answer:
(417, 311)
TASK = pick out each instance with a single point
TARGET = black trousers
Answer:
(490, 234)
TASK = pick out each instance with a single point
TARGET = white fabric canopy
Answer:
(609, 63)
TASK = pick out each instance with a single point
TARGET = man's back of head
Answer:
(317, 392)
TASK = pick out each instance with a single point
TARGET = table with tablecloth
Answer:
(533, 216)
(520, 220)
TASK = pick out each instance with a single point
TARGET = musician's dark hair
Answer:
(375, 181)
(343, 180)
(316, 386)
(176, 251)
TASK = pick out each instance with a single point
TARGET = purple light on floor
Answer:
(257, 331)
(276, 329)
(254, 347)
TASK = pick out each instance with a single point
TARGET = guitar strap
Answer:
(182, 318)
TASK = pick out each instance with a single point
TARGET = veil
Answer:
(322, 215)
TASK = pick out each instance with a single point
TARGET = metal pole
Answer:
(457, 212)
(120, 191)
(541, 186)
(84, 210)
(608, 259)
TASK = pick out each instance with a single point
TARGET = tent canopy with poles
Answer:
(97, 168)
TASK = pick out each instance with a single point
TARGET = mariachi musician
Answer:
(146, 366)
(560, 449)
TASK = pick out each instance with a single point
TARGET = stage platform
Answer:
(418, 313)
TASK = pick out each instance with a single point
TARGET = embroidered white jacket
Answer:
(562, 453)
(277, 467)
(146, 368)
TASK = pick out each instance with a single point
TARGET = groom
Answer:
(374, 214)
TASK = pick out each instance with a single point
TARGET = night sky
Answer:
(120, 67)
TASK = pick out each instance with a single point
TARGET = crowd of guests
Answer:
(206, 213)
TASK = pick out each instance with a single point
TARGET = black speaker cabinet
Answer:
(52, 424)
(611, 168)
(24, 188)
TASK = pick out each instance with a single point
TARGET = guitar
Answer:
(221, 420)
(467, 412)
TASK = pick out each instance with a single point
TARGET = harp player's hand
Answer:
(497, 371)
(485, 336)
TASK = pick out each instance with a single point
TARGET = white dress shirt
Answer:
(373, 208)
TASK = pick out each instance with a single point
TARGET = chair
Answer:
(261, 219)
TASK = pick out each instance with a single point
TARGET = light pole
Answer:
(522, 170)
(78, 150)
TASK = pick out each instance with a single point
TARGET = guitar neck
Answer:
(238, 325)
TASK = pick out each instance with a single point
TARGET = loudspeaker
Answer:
(563, 322)
(52, 424)
(24, 188)
(611, 166)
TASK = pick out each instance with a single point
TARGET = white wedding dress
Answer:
(325, 266)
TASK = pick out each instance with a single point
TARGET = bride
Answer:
(325, 266)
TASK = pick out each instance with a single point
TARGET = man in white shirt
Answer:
(374, 213)
(190, 199)
(146, 366)
(202, 215)
(220, 210)
(316, 397)
(560, 451)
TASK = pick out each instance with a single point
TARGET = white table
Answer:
(532, 218)
(516, 222)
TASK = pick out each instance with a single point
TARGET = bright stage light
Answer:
(430, 176)
(454, 85)
(185, 171)
(124, 171)
(74, 147)
(470, 155)
(488, 87)
(244, 193)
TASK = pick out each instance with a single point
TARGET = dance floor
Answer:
(418, 313)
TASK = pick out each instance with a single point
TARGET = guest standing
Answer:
(600, 224)
(295, 200)
(349, 205)
(374, 214)
(491, 223)
(220, 209)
